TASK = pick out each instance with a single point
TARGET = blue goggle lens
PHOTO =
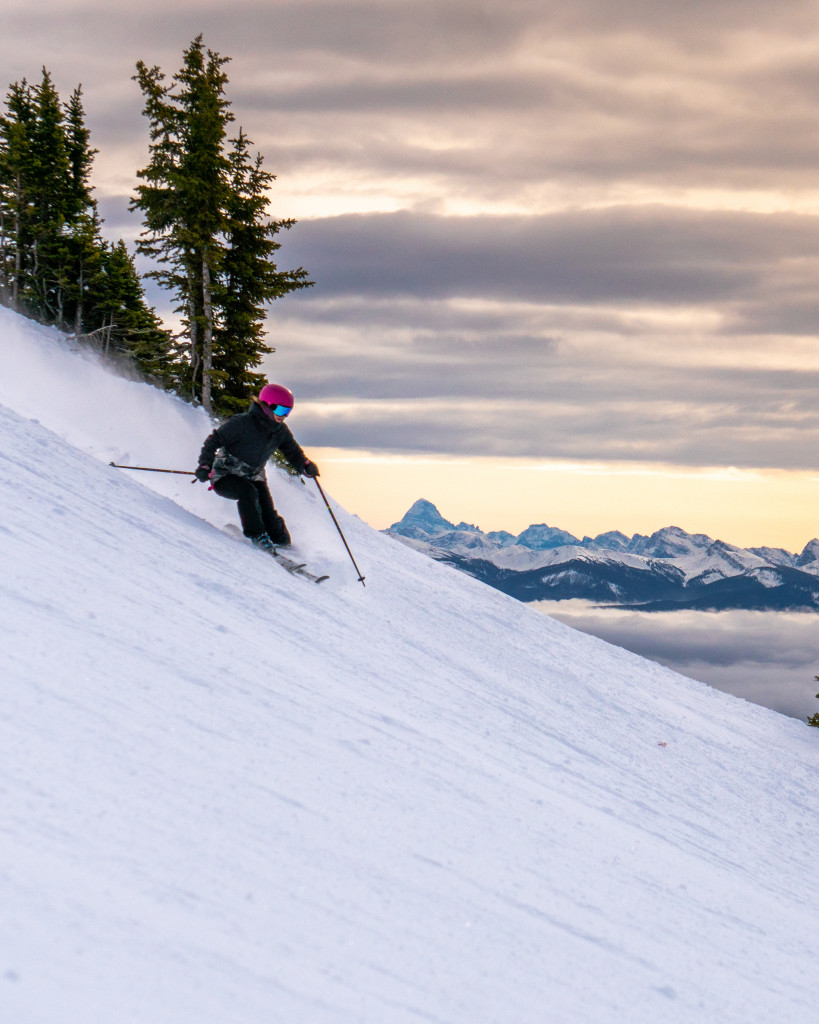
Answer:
(280, 410)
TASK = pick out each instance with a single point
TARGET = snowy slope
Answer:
(232, 796)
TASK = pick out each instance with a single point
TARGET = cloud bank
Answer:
(770, 658)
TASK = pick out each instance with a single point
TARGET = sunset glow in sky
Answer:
(566, 255)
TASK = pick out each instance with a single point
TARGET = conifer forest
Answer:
(206, 238)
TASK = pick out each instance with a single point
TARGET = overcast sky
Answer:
(557, 234)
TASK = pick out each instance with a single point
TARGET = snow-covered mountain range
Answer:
(669, 569)
(233, 797)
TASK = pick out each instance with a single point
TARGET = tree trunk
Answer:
(4, 278)
(78, 311)
(207, 341)
(15, 286)
(193, 327)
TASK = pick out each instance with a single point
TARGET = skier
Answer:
(233, 458)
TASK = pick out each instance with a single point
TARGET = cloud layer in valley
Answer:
(770, 658)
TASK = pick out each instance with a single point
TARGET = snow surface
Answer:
(232, 796)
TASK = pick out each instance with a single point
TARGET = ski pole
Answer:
(153, 469)
(346, 545)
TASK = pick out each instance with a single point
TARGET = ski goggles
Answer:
(279, 410)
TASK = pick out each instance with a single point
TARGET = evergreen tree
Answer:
(52, 207)
(205, 226)
(182, 199)
(83, 257)
(127, 325)
(80, 153)
(251, 278)
(82, 236)
(50, 218)
(203, 170)
(15, 172)
(814, 719)
(54, 263)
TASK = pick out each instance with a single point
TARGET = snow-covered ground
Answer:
(232, 796)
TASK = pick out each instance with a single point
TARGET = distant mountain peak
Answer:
(540, 537)
(423, 507)
(810, 553)
(671, 565)
(421, 520)
(611, 540)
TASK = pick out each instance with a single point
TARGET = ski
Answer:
(296, 568)
(287, 563)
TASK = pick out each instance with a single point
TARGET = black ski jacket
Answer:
(252, 437)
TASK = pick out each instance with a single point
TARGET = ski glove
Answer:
(310, 469)
(203, 474)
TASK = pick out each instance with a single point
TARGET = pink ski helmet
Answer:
(279, 398)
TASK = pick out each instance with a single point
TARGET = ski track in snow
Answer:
(230, 795)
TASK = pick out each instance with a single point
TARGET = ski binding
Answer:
(287, 563)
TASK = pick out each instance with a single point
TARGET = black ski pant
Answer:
(256, 509)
